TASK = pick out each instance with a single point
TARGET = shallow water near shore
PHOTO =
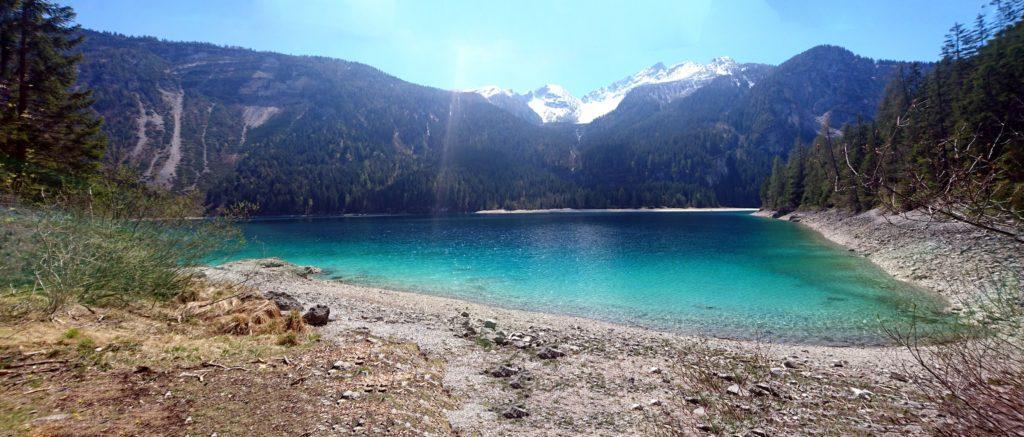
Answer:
(721, 274)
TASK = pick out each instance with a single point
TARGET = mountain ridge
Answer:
(314, 135)
(554, 104)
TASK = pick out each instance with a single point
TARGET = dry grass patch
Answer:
(237, 367)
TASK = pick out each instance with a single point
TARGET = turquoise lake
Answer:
(721, 274)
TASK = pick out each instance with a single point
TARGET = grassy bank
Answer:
(175, 368)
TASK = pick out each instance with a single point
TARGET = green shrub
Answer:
(112, 243)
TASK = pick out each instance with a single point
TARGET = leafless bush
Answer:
(975, 373)
(961, 178)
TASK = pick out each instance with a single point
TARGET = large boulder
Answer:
(317, 316)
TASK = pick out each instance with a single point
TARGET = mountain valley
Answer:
(311, 135)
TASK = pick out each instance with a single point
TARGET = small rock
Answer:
(838, 363)
(490, 323)
(349, 394)
(762, 389)
(306, 271)
(503, 371)
(515, 412)
(735, 389)
(317, 316)
(692, 400)
(700, 412)
(899, 377)
(654, 402)
(550, 353)
(790, 364)
(464, 314)
(655, 370)
(636, 407)
(758, 432)
(861, 394)
(341, 365)
(778, 372)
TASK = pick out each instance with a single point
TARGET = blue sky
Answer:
(523, 44)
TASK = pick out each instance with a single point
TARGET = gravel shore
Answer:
(519, 372)
(956, 260)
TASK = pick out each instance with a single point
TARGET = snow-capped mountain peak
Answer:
(490, 91)
(553, 103)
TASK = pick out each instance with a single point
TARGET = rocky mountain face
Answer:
(315, 135)
(516, 104)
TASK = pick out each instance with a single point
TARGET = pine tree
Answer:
(955, 43)
(49, 132)
(795, 174)
(776, 185)
(979, 34)
(817, 186)
(1008, 12)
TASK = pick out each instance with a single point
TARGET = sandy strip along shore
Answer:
(573, 210)
(576, 376)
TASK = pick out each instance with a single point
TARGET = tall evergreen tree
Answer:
(956, 42)
(777, 184)
(49, 134)
(795, 174)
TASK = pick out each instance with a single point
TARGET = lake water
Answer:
(722, 274)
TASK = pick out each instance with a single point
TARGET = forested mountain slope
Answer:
(715, 145)
(949, 138)
(307, 134)
(311, 135)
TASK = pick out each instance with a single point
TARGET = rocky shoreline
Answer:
(958, 261)
(519, 372)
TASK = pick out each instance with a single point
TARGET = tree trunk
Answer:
(6, 35)
(27, 8)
